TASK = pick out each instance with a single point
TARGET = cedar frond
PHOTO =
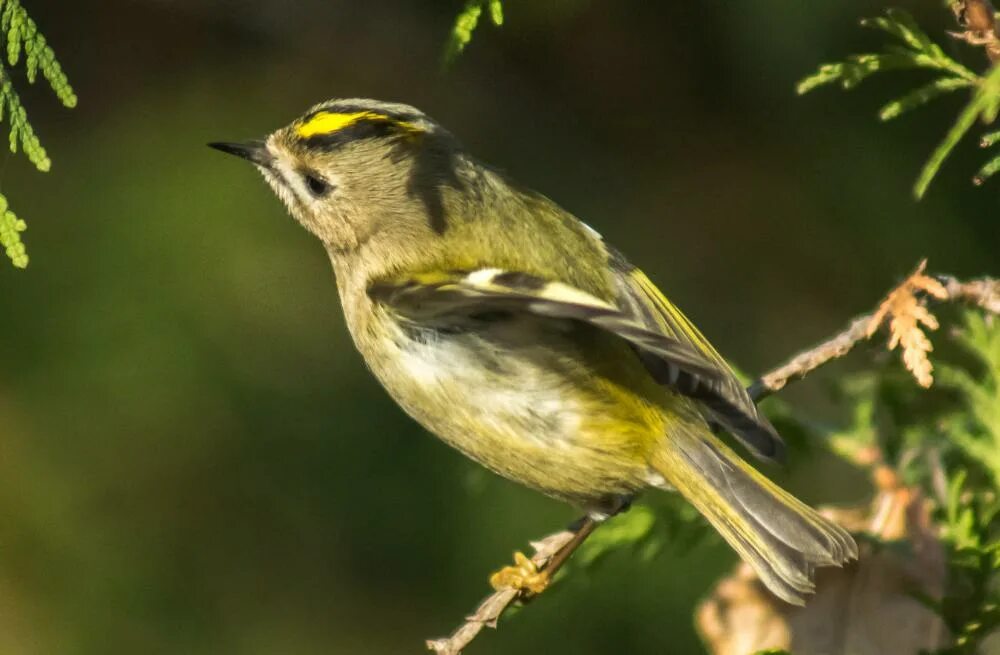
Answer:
(21, 41)
(10, 235)
(908, 316)
(915, 50)
(466, 23)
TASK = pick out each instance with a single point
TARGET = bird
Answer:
(514, 332)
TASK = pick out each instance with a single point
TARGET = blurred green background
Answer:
(193, 458)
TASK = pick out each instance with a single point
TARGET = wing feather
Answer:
(435, 296)
(729, 404)
(675, 359)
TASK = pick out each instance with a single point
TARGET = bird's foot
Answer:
(523, 576)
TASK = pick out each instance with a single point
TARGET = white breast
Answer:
(510, 391)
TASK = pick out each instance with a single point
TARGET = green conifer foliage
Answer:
(25, 45)
(910, 48)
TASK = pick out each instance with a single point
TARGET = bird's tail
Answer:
(780, 537)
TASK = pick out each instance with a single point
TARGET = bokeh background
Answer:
(192, 456)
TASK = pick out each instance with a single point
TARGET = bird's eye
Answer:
(317, 185)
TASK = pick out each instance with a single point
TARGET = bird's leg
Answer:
(532, 575)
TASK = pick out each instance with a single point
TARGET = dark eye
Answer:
(317, 185)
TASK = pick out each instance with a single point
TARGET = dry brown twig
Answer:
(980, 26)
(547, 549)
(904, 308)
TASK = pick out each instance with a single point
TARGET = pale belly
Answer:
(519, 400)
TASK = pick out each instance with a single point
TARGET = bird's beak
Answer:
(253, 151)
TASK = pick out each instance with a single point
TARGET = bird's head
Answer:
(350, 168)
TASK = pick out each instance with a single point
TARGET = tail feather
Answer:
(783, 539)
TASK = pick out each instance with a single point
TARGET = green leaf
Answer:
(826, 74)
(25, 42)
(856, 68)
(466, 23)
(461, 31)
(936, 60)
(22, 35)
(22, 134)
(988, 170)
(10, 238)
(985, 102)
(901, 25)
(989, 139)
(496, 12)
(976, 429)
(921, 96)
(628, 529)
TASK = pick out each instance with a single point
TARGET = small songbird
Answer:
(512, 331)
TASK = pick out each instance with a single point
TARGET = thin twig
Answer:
(805, 362)
(552, 551)
(983, 293)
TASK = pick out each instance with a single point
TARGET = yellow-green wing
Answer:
(673, 356)
(442, 299)
(728, 404)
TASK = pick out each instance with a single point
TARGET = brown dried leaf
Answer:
(866, 608)
(907, 313)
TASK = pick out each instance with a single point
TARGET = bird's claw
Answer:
(523, 576)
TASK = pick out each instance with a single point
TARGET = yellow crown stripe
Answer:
(326, 122)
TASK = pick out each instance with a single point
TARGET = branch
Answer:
(551, 552)
(810, 360)
(983, 293)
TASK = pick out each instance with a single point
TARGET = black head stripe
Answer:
(365, 128)
(397, 116)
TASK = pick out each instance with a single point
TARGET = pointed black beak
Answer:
(253, 151)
